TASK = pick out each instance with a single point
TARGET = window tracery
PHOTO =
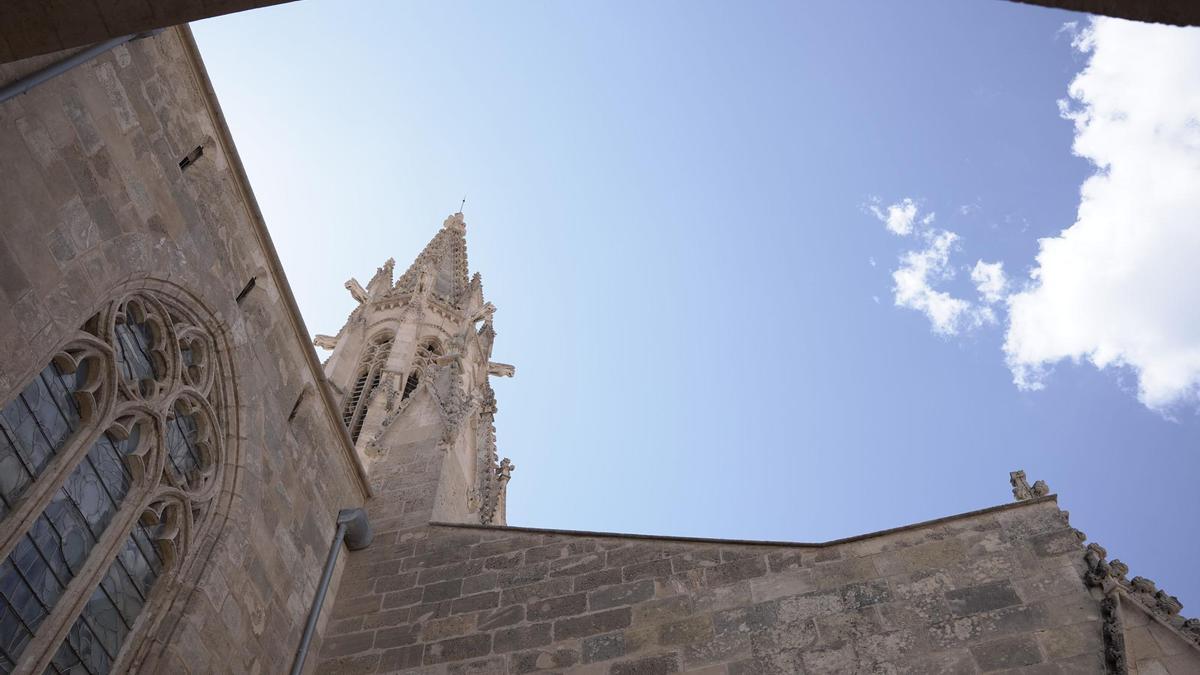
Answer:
(110, 462)
(426, 355)
(370, 371)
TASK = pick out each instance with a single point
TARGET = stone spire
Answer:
(411, 368)
(444, 260)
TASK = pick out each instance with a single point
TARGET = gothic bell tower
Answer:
(410, 368)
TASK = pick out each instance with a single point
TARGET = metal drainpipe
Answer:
(355, 531)
(24, 84)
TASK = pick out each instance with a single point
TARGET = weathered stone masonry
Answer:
(92, 199)
(987, 591)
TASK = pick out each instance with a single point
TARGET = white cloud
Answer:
(990, 281)
(919, 270)
(1120, 287)
(899, 217)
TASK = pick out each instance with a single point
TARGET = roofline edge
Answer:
(754, 542)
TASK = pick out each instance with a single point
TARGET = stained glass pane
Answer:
(33, 427)
(133, 350)
(21, 612)
(149, 554)
(99, 632)
(81, 652)
(42, 559)
(105, 622)
(181, 445)
(53, 551)
(14, 478)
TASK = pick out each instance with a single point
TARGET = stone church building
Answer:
(186, 488)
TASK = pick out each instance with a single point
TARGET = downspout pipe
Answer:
(24, 84)
(354, 530)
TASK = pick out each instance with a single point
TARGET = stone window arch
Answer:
(366, 381)
(113, 462)
(426, 355)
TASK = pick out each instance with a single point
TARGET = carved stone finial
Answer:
(455, 220)
(1168, 604)
(1022, 491)
(1020, 487)
(1099, 571)
(1118, 569)
(1143, 585)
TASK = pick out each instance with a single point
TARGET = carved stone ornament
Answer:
(501, 369)
(492, 476)
(1109, 578)
(356, 290)
(1022, 491)
(389, 391)
(328, 342)
(1114, 635)
(1099, 575)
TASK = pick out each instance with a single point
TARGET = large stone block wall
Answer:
(91, 197)
(986, 592)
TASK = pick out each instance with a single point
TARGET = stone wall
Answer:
(92, 196)
(988, 591)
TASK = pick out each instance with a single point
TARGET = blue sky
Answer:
(670, 204)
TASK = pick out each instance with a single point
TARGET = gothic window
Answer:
(426, 355)
(110, 460)
(366, 380)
